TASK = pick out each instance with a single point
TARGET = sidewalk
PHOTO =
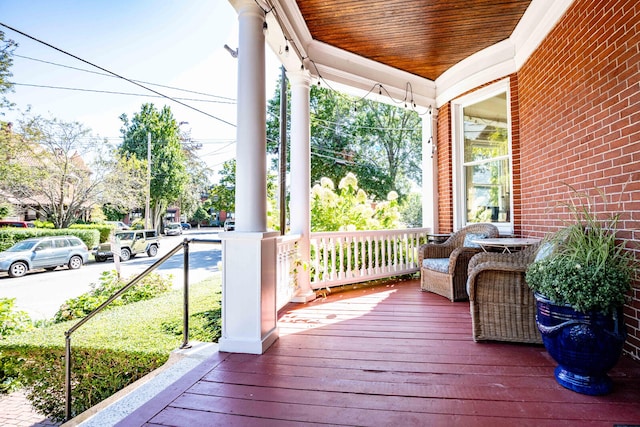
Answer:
(16, 411)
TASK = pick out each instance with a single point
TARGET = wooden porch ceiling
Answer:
(422, 37)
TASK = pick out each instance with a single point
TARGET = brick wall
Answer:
(445, 175)
(579, 114)
(575, 112)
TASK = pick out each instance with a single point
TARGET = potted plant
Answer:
(580, 290)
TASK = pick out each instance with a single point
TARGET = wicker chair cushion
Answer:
(470, 237)
(437, 264)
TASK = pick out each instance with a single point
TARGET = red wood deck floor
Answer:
(386, 356)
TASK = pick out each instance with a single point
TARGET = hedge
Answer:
(9, 236)
(112, 350)
(104, 229)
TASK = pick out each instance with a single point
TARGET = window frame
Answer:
(457, 132)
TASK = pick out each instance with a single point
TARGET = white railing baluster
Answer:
(362, 255)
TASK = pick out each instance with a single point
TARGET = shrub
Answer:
(111, 351)
(9, 374)
(12, 321)
(151, 286)
(349, 209)
(97, 374)
(43, 224)
(104, 229)
(590, 269)
(10, 236)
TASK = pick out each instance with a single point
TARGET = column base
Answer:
(231, 345)
(304, 297)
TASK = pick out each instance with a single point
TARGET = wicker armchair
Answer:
(450, 278)
(502, 305)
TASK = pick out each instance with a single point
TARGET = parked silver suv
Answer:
(44, 252)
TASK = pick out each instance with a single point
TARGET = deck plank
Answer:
(382, 356)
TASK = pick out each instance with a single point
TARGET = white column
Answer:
(249, 320)
(301, 176)
(429, 173)
(251, 165)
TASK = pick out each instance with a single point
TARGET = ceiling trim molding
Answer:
(503, 58)
(336, 65)
(357, 75)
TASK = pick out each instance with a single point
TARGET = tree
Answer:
(222, 196)
(411, 210)
(379, 143)
(168, 169)
(390, 137)
(200, 215)
(53, 176)
(125, 185)
(7, 46)
(199, 173)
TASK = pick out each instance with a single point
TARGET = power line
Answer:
(115, 74)
(117, 93)
(109, 75)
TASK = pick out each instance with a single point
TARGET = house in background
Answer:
(517, 98)
(63, 181)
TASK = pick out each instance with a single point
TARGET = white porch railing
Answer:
(339, 258)
(287, 247)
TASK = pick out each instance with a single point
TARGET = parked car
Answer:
(131, 243)
(185, 225)
(173, 229)
(44, 252)
(18, 224)
(229, 224)
(119, 225)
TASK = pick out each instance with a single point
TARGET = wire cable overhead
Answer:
(116, 74)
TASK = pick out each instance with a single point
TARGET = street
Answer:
(40, 293)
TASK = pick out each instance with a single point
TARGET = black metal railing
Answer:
(185, 331)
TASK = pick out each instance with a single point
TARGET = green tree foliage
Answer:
(50, 172)
(169, 176)
(124, 187)
(349, 208)
(199, 173)
(7, 46)
(200, 215)
(411, 210)
(222, 196)
(379, 143)
(390, 137)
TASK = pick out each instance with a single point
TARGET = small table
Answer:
(507, 244)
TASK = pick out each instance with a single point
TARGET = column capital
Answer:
(244, 7)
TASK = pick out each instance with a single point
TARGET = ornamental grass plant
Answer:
(589, 269)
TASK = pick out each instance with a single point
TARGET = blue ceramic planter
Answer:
(585, 345)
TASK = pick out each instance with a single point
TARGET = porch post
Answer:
(429, 172)
(249, 253)
(301, 176)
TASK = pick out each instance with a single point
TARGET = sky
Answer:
(179, 44)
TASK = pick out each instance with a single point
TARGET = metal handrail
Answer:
(185, 342)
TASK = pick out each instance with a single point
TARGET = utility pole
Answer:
(147, 206)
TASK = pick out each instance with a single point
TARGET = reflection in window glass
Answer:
(487, 175)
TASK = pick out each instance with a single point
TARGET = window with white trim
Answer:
(482, 161)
